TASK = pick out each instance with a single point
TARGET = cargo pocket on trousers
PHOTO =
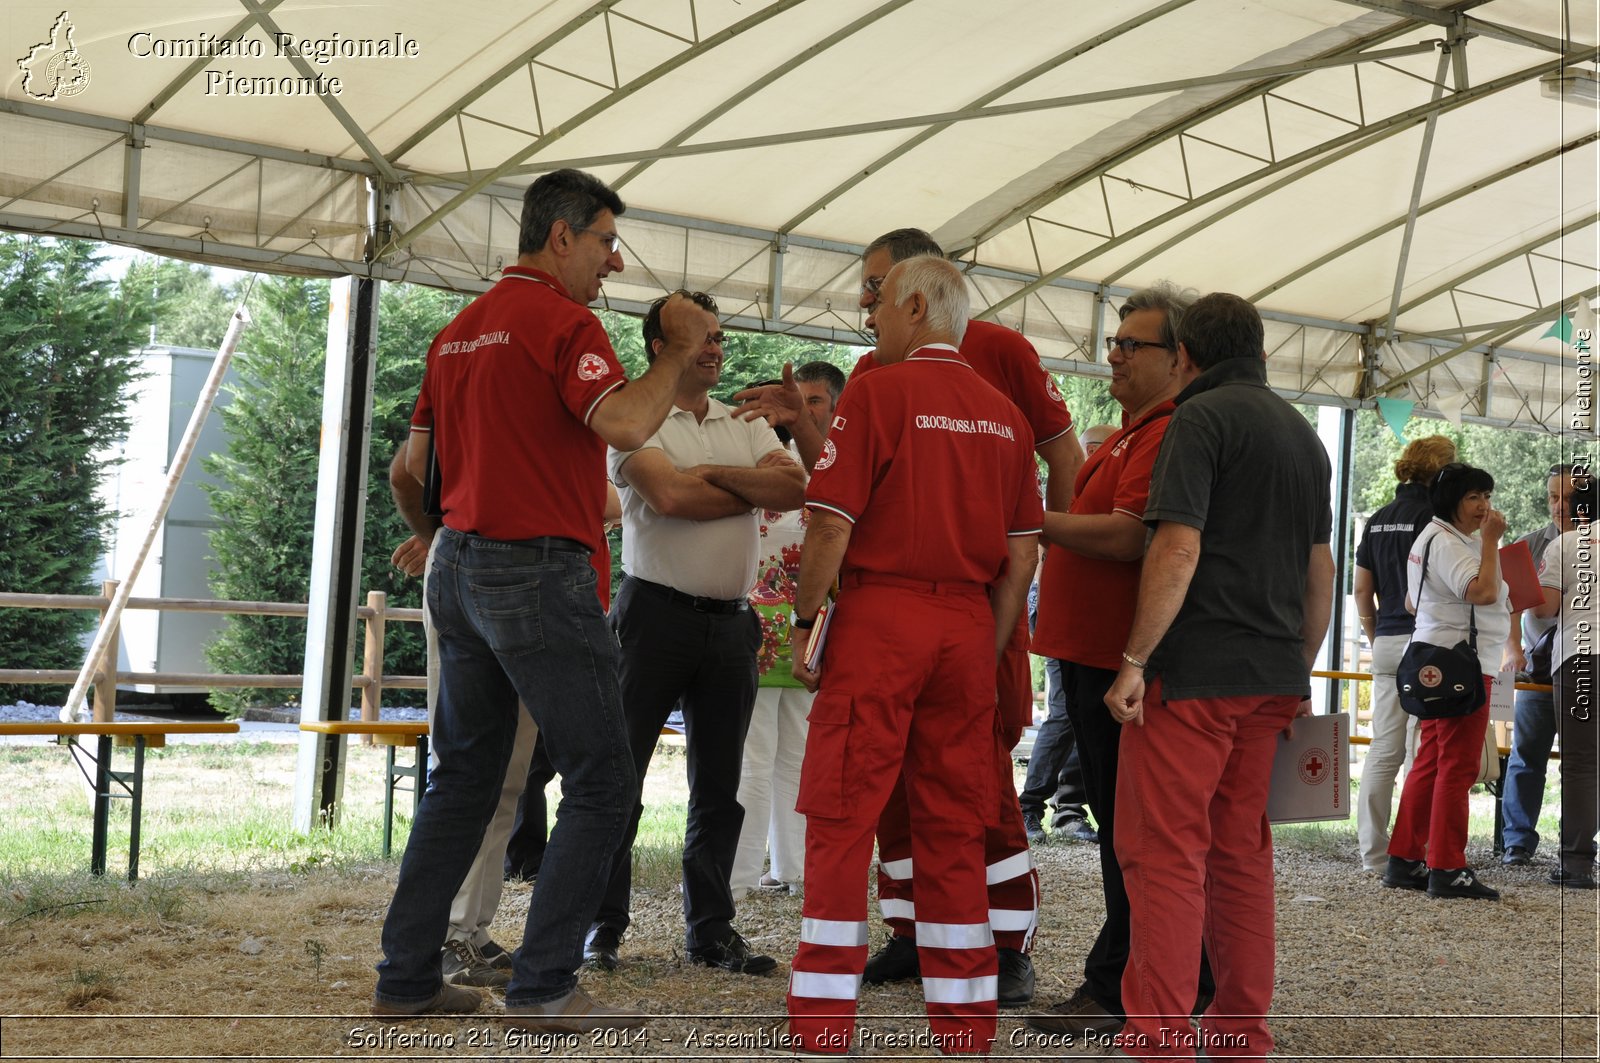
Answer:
(823, 772)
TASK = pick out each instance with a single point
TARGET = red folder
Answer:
(812, 657)
(1516, 568)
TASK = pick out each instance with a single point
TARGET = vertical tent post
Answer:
(336, 546)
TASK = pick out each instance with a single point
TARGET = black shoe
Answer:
(1516, 856)
(600, 947)
(1077, 830)
(1406, 874)
(1571, 880)
(1015, 988)
(1459, 882)
(732, 955)
(895, 962)
(1033, 826)
(497, 954)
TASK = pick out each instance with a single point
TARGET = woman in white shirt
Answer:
(1568, 578)
(1461, 546)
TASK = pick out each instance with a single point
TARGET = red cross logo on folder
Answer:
(1313, 766)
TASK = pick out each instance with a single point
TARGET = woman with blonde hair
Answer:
(1380, 599)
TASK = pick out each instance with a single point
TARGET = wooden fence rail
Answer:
(371, 681)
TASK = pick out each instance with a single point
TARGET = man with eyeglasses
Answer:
(1233, 604)
(1534, 733)
(691, 498)
(1086, 600)
(520, 395)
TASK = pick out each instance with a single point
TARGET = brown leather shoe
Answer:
(1078, 1015)
(577, 1012)
(449, 1000)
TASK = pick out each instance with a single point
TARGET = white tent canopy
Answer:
(1386, 178)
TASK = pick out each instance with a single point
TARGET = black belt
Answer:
(550, 544)
(699, 605)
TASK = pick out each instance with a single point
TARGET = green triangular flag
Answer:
(1561, 329)
(1396, 412)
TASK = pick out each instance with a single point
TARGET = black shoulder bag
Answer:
(1437, 682)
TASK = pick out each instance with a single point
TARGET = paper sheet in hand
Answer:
(1311, 773)
(1503, 696)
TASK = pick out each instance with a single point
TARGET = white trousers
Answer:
(1394, 743)
(479, 896)
(769, 785)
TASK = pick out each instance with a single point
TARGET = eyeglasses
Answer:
(1128, 345)
(612, 241)
(873, 286)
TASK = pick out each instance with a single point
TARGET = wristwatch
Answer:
(803, 625)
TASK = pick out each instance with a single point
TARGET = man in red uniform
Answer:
(1009, 363)
(1086, 600)
(925, 504)
(521, 395)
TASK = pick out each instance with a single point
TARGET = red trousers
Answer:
(907, 688)
(1196, 854)
(1008, 864)
(1432, 822)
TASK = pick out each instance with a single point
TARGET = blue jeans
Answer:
(1523, 790)
(1053, 766)
(514, 620)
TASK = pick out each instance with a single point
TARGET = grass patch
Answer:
(87, 985)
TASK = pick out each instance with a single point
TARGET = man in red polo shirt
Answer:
(1086, 600)
(925, 502)
(520, 397)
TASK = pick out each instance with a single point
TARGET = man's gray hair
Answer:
(903, 244)
(942, 285)
(824, 373)
(1166, 297)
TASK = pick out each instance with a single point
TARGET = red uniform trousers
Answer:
(1432, 822)
(1008, 864)
(906, 685)
(1196, 853)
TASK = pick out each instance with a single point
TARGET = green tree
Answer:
(267, 508)
(1089, 400)
(265, 511)
(1518, 461)
(409, 317)
(184, 305)
(65, 336)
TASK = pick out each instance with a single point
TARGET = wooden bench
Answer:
(390, 734)
(106, 781)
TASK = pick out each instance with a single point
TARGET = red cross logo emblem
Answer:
(1313, 766)
(1430, 676)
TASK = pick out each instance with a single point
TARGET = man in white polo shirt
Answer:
(687, 634)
